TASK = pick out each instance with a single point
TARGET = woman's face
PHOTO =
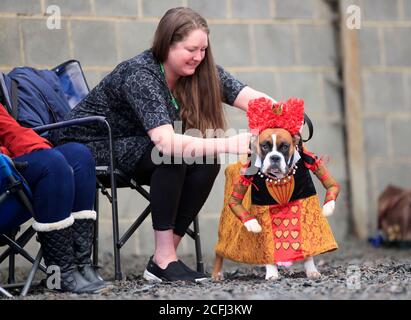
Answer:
(185, 56)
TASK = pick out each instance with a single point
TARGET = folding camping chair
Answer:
(75, 86)
(14, 189)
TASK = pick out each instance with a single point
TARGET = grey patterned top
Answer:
(134, 98)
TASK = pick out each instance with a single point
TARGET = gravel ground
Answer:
(355, 271)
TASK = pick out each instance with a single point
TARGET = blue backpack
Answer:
(36, 96)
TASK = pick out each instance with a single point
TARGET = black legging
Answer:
(177, 191)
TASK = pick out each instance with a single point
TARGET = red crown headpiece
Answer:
(263, 114)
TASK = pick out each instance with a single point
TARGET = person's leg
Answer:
(82, 163)
(166, 181)
(52, 184)
(197, 186)
(80, 159)
(12, 214)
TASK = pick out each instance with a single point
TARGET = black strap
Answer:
(14, 96)
(307, 121)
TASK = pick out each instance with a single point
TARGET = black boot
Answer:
(57, 246)
(83, 231)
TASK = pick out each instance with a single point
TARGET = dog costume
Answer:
(287, 208)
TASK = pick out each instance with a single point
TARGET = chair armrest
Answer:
(68, 123)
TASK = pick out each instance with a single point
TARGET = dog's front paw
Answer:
(253, 226)
(328, 208)
(217, 276)
(272, 277)
(313, 274)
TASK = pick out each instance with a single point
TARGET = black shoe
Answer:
(199, 275)
(175, 271)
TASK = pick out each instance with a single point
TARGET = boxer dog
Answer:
(277, 151)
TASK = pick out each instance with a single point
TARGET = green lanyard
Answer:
(173, 100)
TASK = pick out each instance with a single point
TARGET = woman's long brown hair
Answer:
(198, 95)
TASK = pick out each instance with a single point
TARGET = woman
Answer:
(62, 181)
(141, 98)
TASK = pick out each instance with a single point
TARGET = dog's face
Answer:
(275, 148)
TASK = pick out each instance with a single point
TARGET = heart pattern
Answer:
(277, 221)
(286, 232)
(274, 210)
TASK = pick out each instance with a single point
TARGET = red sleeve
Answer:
(16, 140)
(311, 161)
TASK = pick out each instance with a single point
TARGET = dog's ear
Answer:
(297, 140)
(252, 169)
(254, 144)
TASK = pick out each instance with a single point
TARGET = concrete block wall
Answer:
(385, 52)
(284, 48)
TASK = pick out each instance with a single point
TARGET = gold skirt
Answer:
(289, 233)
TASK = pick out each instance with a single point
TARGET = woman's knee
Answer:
(54, 163)
(206, 172)
(80, 152)
(172, 172)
